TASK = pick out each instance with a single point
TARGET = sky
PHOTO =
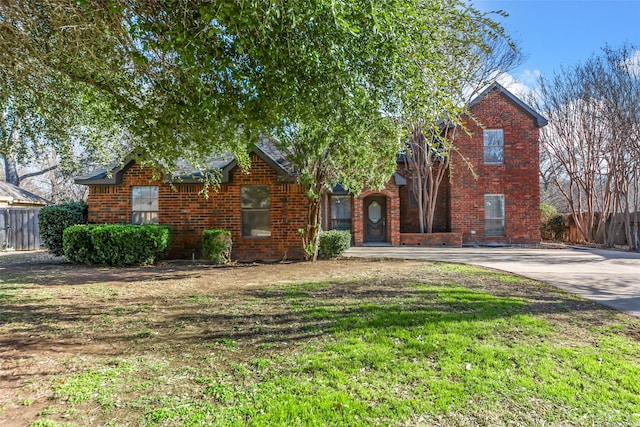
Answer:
(555, 33)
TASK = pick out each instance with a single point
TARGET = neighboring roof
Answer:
(539, 119)
(15, 195)
(265, 149)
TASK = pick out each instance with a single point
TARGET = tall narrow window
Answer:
(255, 205)
(493, 146)
(340, 212)
(144, 205)
(494, 215)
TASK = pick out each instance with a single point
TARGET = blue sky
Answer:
(553, 33)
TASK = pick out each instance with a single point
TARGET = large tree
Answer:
(188, 79)
(354, 138)
(591, 144)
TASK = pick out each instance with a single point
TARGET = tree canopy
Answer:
(194, 78)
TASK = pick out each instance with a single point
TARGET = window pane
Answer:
(256, 223)
(494, 217)
(255, 204)
(494, 227)
(340, 207)
(340, 212)
(493, 146)
(254, 197)
(144, 217)
(144, 205)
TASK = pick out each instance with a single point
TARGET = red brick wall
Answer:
(188, 213)
(431, 239)
(517, 178)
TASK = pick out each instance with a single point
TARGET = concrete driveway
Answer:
(611, 278)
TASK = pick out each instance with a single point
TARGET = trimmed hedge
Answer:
(333, 243)
(116, 245)
(216, 245)
(77, 245)
(52, 221)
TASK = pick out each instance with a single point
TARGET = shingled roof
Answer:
(186, 173)
(14, 196)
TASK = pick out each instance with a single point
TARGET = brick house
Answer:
(265, 207)
(500, 205)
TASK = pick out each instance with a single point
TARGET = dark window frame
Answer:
(342, 222)
(150, 196)
(252, 209)
(493, 146)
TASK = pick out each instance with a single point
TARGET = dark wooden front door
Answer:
(375, 219)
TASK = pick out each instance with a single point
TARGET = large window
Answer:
(493, 146)
(494, 215)
(255, 205)
(144, 205)
(340, 212)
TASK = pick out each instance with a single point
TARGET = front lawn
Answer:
(331, 343)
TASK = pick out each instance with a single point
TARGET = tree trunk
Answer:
(11, 171)
(311, 233)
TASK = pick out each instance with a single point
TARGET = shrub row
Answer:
(52, 221)
(333, 243)
(116, 245)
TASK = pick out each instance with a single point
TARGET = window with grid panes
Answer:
(144, 205)
(493, 146)
(494, 225)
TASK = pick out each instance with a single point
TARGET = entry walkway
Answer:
(611, 278)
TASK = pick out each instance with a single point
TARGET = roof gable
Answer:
(540, 121)
(265, 150)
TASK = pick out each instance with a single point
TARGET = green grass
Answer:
(400, 352)
(446, 351)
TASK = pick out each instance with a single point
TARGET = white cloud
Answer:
(634, 63)
(523, 86)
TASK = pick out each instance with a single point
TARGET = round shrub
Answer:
(54, 219)
(216, 245)
(333, 243)
(551, 223)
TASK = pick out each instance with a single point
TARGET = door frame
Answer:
(382, 200)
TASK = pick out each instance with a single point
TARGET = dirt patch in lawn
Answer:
(57, 315)
(58, 318)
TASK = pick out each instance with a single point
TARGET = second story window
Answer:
(493, 146)
(144, 205)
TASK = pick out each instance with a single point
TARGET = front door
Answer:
(375, 223)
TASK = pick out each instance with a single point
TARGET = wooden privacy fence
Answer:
(571, 234)
(19, 229)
